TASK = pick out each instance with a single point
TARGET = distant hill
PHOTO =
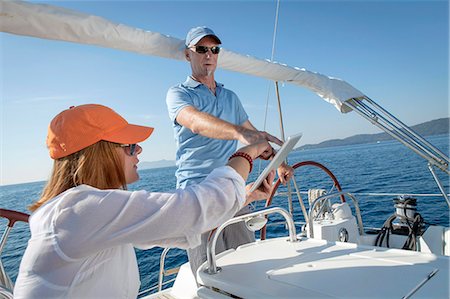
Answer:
(156, 164)
(433, 127)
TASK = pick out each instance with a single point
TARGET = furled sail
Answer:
(50, 22)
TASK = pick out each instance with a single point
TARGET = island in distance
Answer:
(156, 164)
(434, 127)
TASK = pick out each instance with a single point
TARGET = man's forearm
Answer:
(207, 125)
(213, 127)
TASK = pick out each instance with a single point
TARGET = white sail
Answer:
(50, 22)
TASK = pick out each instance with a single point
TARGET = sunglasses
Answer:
(130, 149)
(203, 49)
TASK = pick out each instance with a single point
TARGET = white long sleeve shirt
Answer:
(82, 241)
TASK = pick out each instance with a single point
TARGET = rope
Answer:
(414, 226)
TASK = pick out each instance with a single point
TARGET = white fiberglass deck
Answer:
(309, 268)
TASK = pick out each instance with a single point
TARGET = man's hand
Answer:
(249, 136)
(285, 173)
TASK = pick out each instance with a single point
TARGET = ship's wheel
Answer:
(307, 175)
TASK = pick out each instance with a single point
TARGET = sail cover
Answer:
(51, 22)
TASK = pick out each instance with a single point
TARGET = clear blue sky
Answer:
(396, 52)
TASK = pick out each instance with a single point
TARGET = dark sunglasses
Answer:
(203, 49)
(130, 149)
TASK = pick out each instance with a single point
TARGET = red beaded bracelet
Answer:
(245, 156)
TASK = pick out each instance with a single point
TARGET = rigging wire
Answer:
(274, 38)
(272, 55)
(275, 30)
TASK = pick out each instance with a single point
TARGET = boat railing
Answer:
(365, 194)
(6, 285)
(211, 248)
(162, 273)
(368, 194)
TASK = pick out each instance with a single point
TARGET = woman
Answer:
(85, 224)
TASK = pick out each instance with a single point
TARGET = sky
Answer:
(395, 52)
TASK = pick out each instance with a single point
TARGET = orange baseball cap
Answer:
(79, 127)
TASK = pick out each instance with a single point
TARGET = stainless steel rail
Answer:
(6, 285)
(381, 194)
(162, 273)
(211, 249)
(5, 281)
(381, 118)
(5, 293)
(438, 182)
(398, 130)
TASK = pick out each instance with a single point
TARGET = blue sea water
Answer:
(386, 167)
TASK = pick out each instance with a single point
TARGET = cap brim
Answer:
(129, 134)
(196, 40)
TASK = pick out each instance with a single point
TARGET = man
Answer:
(208, 122)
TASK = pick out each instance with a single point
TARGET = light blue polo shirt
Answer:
(197, 155)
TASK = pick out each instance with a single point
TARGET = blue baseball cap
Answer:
(197, 33)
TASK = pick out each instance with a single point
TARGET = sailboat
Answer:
(334, 255)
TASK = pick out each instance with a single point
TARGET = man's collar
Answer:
(190, 82)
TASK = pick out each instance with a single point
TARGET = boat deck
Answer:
(320, 269)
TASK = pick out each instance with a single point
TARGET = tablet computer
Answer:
(281, 155)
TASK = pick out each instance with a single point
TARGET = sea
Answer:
(365, 170)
